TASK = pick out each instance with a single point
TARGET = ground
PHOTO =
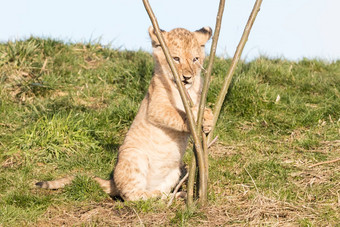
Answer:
(65, 108)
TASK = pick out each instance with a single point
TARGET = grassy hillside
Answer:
(65, 108)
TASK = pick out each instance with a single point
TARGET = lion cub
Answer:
(150, 157)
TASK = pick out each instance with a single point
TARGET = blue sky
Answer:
(284, 28)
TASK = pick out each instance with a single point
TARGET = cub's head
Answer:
(186, 49)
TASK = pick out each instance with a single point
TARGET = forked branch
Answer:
(202, 105)
(202, 153)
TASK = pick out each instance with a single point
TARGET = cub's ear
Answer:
(154, 39)
(203, 35)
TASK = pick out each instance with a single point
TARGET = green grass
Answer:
(65, 108)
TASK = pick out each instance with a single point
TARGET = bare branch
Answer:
(325, 162)
(210, 63)
(234, 62)
(203, 104)
(213, 141)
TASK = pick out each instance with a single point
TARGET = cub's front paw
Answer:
(207, 120)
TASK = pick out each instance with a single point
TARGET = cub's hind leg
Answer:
(130, 176)
(166, 181)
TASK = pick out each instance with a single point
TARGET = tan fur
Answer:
(150, 157)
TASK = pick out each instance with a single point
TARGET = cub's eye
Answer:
(195, 59)
(176, 59)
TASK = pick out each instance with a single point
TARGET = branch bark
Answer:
(201, 148)
(232, 68)
(186, 103)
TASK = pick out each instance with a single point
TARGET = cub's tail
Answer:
(108, 186)
(55, 184)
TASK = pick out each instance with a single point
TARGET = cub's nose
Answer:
(186, 77)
